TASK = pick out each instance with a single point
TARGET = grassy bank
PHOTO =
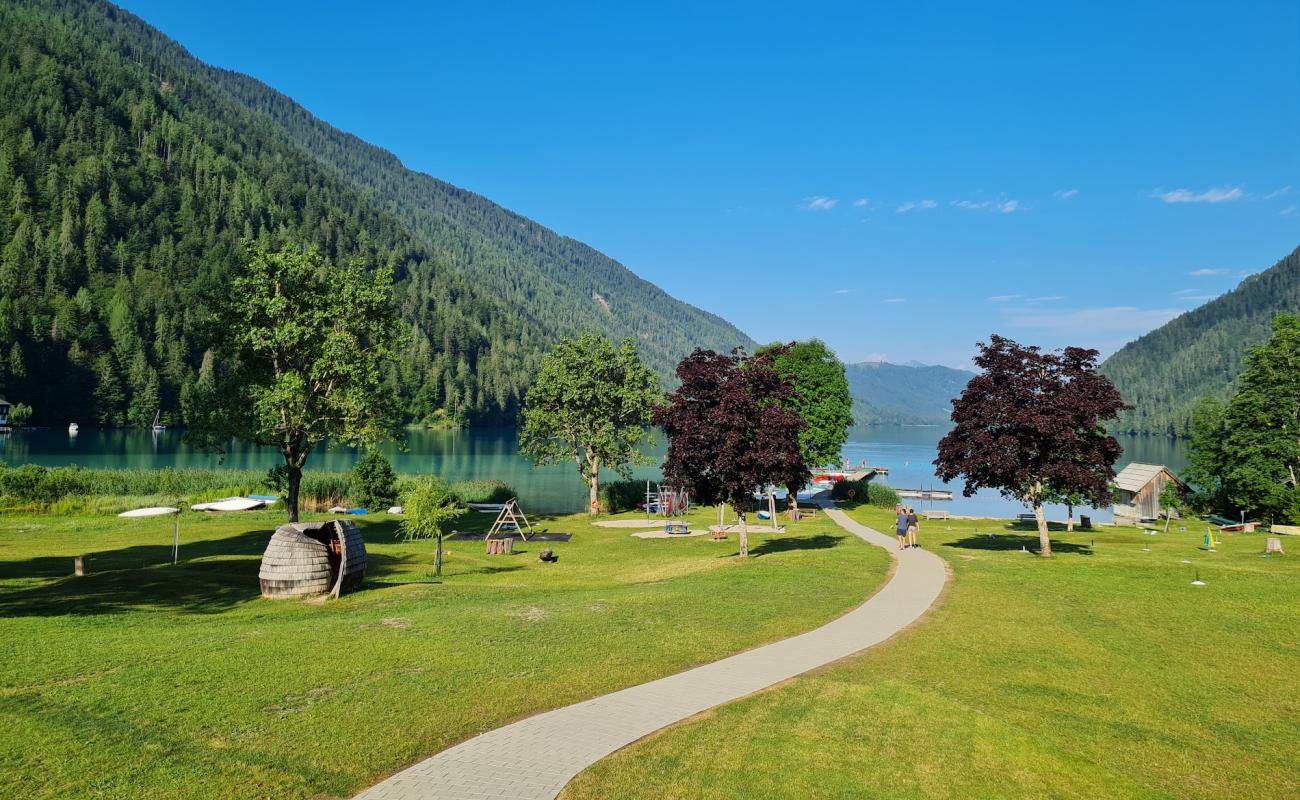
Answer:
(64, 490)
(1099, 673)
(147, 680)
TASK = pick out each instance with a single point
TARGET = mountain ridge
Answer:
(1165, 372)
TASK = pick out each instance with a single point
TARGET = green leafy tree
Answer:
(821, 398)
(591, 402)
(1260, 459)
(306, 344)
(373, 481)
(20, 415)
(1206, 456)
(428, 507)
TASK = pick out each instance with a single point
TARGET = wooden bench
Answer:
(500, 547)
(936, 513)
(797, 514)
(1030, 519)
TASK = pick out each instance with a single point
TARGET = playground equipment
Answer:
(665, 501)
(1211, 541)
(511, 520)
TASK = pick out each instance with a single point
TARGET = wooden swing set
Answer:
(511, 520)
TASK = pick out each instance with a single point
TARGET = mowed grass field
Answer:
(144, 679)
(1100, 673)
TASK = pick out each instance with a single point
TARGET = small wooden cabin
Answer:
(313, 558)
(1139, 487)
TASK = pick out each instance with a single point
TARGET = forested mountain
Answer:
(130, 173)
(1198, 354)
(896, 394)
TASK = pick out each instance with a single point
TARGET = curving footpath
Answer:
(534, 758)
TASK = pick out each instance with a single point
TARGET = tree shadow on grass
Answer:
(1015, 541)
(783, 544)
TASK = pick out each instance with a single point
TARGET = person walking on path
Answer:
(913, 527)
(900, 525)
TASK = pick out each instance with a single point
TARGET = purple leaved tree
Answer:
(1031, 425)
(728, 432)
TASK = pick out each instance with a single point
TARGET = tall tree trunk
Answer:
(1044, 540)
(1070, 524)
(793, 502)
(593, 484)
(744, 531)
(295, 483)
(437, 558)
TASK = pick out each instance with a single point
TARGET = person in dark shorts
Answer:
(900, 525)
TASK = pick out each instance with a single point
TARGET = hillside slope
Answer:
(1164, 373)
(130, 172)
(886, 394)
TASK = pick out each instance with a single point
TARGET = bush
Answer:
(483, 491)
(619, 496)
(373, 481)
(865, 492)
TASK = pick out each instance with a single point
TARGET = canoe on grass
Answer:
(155, 511)
(230, 504)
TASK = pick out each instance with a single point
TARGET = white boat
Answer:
(72, 429)
(155, 511)
(230, 504)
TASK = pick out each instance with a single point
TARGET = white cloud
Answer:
(1092, 321)
(1215, 194)
(1290, 211)
(875, 358)
(862, 202)
(1047, 298)
(1205, 273)
(1003, 206)
(916, 205)
(1285, 190)
(1003, 298)
(1065, 194)
(819, 203)
(895, 300)
(840, 291)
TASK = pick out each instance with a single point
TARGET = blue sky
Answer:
(899, 179)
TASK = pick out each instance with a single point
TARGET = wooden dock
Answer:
(925, 494)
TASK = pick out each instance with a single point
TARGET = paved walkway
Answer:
(534, 758)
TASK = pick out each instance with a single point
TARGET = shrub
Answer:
(493, 491)
(865, 492)
(428, 507)
(373, 481)
(620, 496)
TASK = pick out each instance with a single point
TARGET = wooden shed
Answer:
(313, 558)
(1139, 487)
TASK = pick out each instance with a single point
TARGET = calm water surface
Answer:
(483, 453)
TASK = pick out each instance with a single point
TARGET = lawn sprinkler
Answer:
(1198, 581)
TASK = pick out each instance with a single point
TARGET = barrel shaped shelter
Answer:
(305, 559)
(1138, 489)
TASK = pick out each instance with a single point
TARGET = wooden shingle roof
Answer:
(1133, 477)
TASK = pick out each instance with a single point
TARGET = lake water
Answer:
(484, 453)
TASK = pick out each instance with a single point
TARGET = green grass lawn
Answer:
(146, 680)
(1099, 673)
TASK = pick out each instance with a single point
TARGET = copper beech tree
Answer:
(730, 431)
(1031, 426)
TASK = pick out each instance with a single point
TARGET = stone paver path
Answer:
(534, 758)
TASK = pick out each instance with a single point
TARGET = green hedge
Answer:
(865, 492)
(619, 496)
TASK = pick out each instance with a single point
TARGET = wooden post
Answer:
(79, 565)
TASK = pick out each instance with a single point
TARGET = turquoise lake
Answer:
(485, 453)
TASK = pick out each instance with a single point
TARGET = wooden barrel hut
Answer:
(313, 558)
